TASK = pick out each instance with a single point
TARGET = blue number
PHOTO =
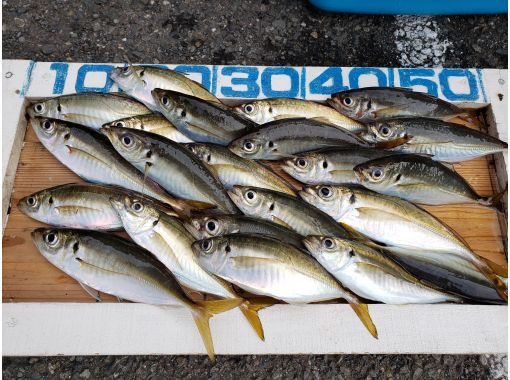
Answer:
(356, 72)
(335, 74)
(445, 85)
(407, 79)
(202, 70)
(266, 81)
(61, 70)
(85, 69)
(250, 81)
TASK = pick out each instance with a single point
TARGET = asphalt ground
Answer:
(267, 32)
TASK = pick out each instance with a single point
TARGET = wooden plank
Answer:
(133, 329)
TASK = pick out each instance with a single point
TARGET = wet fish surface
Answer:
(330, 166)
(266, 110)
(200, 120)
(139, 81)
(285, 210)
(154, 123)
(440, 140)
(232, 169)
(371, 274)
(375, 103)
(268, 267)
(91, 109)
(172, 165)
(284, 138)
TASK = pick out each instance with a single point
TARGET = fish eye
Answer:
(211, 226)
(39, 108)
(385, 130)
(31, 201)
(347, 101)
(377, 173)
(351, 252)
(250, 195)
(120, 124)
(325, 191)
(328, 243)
(248, 146)
(302, 163)
(125, 69)
(51, 238)
(127, 140)
(248, 108)
(165, 101)
(137, 206)
(206, 245)
(47, 125)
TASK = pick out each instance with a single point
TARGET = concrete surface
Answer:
(276, 32)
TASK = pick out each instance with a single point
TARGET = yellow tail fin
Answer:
(250, 310)
(362, 311)
(203, 311)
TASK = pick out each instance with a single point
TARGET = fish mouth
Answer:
(114, 74)
(287, 166)
(312, 242)
(116, 204)
(157, 93)
(106, 129)
(192, 228)
(307, 194)
(236, 194)
(359, 172)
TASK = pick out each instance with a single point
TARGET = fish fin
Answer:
(247, 261)
(393, 143)
(495, 200)
(250, 310)
(277, 220)
(203, 311)
(324, 120)
(499, 270)
(485, 268)
(72, 210)
(355, 234)
(184, 207)
(339, 171)
(75, 116)
(91, 292)
(120, 299)
(361, 311)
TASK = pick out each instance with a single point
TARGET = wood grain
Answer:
(27, 276)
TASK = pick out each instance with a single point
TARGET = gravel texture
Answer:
(247, 32)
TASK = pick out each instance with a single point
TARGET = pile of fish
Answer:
(192, 182)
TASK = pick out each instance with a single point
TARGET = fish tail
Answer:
(490, 274)
(468, 116)
(250, 310)
(495, 200)
(203, 311)
(361, 311)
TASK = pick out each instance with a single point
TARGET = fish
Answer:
(286, 138)
(266, 110)
(91, 109)
(329, 166)
(442, 141)
(110, 264)
(285, 210)
(417, 179)
(206, 226)
(265, 266)
(376, 103)
(138, 82)
(154, 123)
(401, 226)
(170, 242)
(200, 120)
(232, 169)
(370, 273)
(91, 156)
(79, 206)
(171, 165)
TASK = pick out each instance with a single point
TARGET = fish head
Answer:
(50, 108)
(37, 205)
(252, 147)
(333, 200)
(383, 132)
(259, 111)
(138, 214)
(207, 226)
(130, 122)
(253, 201)
(170, 105)
(130, 145)
(212, 253)
(331, 252)
(375, 174)
(353, 104)
(52, 133)
(58, 246)
(307, 168)
(127, 77)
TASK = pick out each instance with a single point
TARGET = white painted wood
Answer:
(125, 329)
(73, 329)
